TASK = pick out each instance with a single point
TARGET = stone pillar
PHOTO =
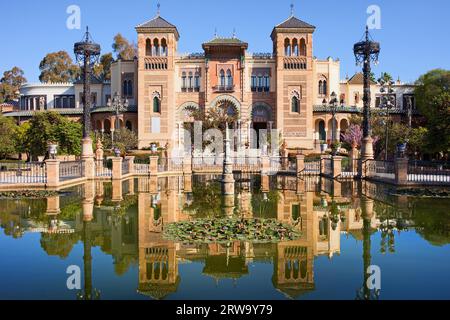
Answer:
(153, 184)
(117, 168)
(188, 183)
(117, 191)
(154, 165)
(353, 158)
(265, 187)
(87, 150)
(401, 171)
(52, 173)
(227, 176)
(53, 208)
(322, 164)
(300, 164)
(187, 165)
(265, 165)
(89, 168)
(367, 149)
(336, 166)
(130, 160)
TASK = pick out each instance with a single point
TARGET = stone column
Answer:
(89, 168)
(401, 171)
(187, 165)
(300, 164)
(153, 165)
(336, 166)
(117, 191)
(265, 165)
(227, 176)
(52, 173)
(353, 158)
(53, 208)
(130, 160)
(117, 168)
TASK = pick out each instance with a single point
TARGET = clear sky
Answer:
(414, 34)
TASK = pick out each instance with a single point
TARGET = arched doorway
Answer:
(129, 125)
(344, 127)
(261, 116)
(184, 126)
(107, 126)
(321, 130)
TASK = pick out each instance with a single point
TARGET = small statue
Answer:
(99, 144)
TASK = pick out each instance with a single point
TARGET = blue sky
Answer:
(414, 34)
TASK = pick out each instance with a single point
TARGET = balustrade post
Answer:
(336, 166)
(265, 164)
(89, 168)
(323, 158)
(401, 171)
(117, 168)
(131, 167)
(187, 165)
(300, 164)
(52, 173)
(153, 165)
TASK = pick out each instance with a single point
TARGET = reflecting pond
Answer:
(114, 233)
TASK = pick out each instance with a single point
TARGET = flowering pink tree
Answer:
(354, 134)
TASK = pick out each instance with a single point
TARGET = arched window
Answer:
(320, 87)
(287, 47)
(148, 47)
(254, 83)
(325, 88)
(229, 78)
(295, 47)
(197, 82)
(295, 104)
(156, 47)
(260, 83)
(190, 81)
(164, 51)
(130, 88)
(129, 125)
(266, 83)
(302, 47)
(222, 78)
(156, 104)
(183, 81)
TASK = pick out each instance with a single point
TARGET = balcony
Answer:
(224, 89)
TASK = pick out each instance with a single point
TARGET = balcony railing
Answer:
(224, 88)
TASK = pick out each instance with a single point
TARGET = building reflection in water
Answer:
(127, 218)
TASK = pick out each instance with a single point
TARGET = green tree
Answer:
(10, 84)
(121, 46)
(22, 139)
(103, 69)
(433, 100)
(124, 139)
(7, 133)
(58, 67)
(386, 77)
(52, 127)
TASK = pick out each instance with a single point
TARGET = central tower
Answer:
(293, 49)
(157, 47)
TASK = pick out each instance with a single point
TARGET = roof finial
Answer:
(158, 11)
(292, 9)
(367, 32)
(234, 33)
(215, 33)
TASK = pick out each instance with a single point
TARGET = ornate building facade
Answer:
(288, 89)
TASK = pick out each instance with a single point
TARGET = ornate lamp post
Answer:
(119, 106)
(387, 103)
(366, 51)
(87, 53)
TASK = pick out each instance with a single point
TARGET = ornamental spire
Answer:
(158, 9)
(292, 9)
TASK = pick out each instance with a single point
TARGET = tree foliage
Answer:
(52, 127)
(433, 100)
(103, 69)
(7, 137)
(10, 84)
(123, 48)
(124, 139)
(58, 67)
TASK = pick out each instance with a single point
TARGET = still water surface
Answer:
(114, 233)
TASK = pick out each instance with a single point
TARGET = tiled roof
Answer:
(100, 109)
(294, 23)
(358, 78)
(158, 23)
(94, 80)
(220, 41)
